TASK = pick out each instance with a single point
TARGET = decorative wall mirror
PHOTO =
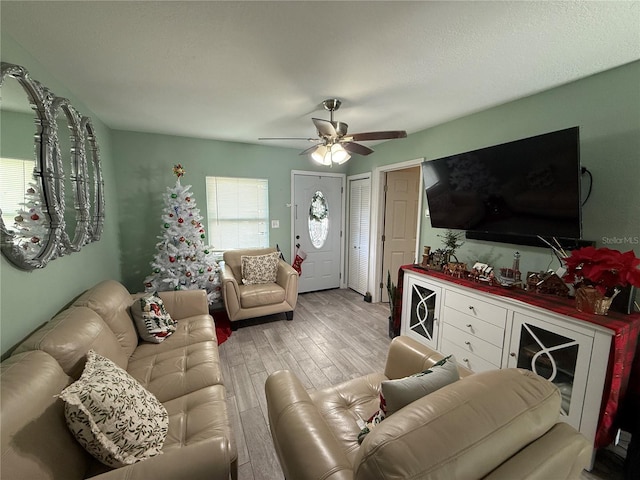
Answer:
(51, 187)
(95, 184)
(30, 224)
(71, 183)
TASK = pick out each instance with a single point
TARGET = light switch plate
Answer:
(275, 223)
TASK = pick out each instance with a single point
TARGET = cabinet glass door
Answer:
(559, 355)
(422, 318)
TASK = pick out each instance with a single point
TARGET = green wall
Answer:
(138, 168)
(145, 170)
(605, 106)
(29, 299)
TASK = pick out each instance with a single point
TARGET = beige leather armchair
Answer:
(495, 425)
(250, 301)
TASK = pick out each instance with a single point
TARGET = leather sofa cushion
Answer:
(111, 301)
(189, 331)
(343, 405)
(261, 294)
(36, 442)
(180, 371)
(68, 337)
(444, 435)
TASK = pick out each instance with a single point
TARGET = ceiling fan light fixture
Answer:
(338, 154)
(321, 155)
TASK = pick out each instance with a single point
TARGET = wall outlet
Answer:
(275, 223)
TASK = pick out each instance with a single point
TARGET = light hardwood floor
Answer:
(334, 336)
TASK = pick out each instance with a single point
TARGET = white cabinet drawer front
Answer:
(466, 359)
(476, 327)
(472, 344)
(477, 308)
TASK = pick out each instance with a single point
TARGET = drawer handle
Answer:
(465, 360)
(468, 325)
(512, 354)
(470, 307)
(467, 343)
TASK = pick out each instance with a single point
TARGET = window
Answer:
(237, 212)
(14, 182)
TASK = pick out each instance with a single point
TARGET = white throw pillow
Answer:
(259, 268)
(152, 320)
(112, 416)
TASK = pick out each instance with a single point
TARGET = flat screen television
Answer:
(511, 192)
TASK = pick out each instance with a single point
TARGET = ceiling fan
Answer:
(333, 144)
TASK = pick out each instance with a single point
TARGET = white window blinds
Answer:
(237, 212)
(15, 176)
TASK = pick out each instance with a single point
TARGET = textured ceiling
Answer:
(241, 70)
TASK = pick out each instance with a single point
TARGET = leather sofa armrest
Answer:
(287, 278)
(230, 291)
(560, 453)
(185, 303)
(305, 444)
(206, 460)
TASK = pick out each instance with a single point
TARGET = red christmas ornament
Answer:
(35, 217)
(35, 240)
(182, 239)
(172, 259)
(188, 199)
(209, 269)
(171, 215)
(188, 274)
(180, 220)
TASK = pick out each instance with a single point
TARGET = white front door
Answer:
(317, 228)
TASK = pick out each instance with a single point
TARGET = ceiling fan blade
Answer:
(325, 127)
(289, 138)
(353, 147)
(384, 135)
(309, 150)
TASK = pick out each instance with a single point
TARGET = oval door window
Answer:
(318, 220)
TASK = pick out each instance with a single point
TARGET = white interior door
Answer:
(358, 246)
(400, 222)
(317, 225)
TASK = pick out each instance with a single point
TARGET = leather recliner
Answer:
(250, 301)
(495, 425)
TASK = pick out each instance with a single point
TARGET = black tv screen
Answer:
(511, 192)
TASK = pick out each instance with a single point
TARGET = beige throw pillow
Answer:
(259, 268)
(112, 416)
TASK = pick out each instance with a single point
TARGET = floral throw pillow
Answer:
(259, 268)
(112, 416)
(152, 320)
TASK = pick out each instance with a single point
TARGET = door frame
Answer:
(351, 178)
(377, 221)
(342, 222)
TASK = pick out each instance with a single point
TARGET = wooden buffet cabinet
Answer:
(488, 328)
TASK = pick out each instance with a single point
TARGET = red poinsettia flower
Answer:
(604, 268)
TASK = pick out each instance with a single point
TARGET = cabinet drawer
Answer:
(476, 308)
(483, 330)
(466, 359)
(472, 344)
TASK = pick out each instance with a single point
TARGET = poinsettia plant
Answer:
(606, 269)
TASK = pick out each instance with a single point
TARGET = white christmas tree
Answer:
(183, 261)
(31, 222)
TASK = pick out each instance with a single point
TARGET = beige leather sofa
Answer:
(183, 372)
(251, 301)
(497, 425)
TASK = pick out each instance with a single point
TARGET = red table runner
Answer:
(626, 329)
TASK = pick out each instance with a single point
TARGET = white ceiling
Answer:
(241, 70)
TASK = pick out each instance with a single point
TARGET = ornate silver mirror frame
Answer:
(71, 184)
(95, 183)
(67, 193)
(40, 211)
